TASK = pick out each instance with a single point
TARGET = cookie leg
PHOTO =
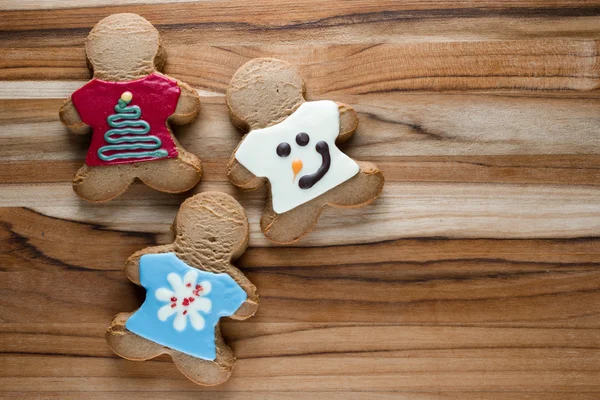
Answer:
(291, 226)
(129, 345)
(133, 347)
(359, 191)
(204, 372)
(98, 184)
(173, 175)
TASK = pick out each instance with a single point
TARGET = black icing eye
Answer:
(284, 149)
(302, 138)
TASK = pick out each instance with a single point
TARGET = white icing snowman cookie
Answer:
(292, 144)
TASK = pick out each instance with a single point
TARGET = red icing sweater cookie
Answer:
(128, 119)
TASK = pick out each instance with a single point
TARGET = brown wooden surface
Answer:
(475, 276)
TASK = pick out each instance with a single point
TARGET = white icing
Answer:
(321, 121)
(195, 302)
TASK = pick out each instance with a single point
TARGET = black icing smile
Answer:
(308, 181)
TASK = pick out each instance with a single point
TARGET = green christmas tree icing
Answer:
(129, 133)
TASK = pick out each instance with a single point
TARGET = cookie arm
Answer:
(70, 118)
(250, 305)
(246, 310)
(188, 105)
(132, 265)
(348, 122)
(241, 177)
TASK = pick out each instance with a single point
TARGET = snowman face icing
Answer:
(299, 155)
(307, 181)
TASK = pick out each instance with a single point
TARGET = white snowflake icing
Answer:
(185, 300)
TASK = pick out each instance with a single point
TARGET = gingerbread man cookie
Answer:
(128, 106)
(190, 284)
(292, 144)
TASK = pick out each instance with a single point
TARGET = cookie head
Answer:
(124, 47)
(263, 92)
(212, 225)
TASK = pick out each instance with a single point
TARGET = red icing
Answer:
(186, 302)
(155, 94)
(184, 312)
(188, 284)
(173, 298)
(173, 305)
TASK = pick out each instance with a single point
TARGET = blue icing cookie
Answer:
(183, 305)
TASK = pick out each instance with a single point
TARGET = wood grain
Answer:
(475, 276)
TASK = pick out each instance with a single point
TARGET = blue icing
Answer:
(178, 314)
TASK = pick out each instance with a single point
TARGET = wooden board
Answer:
(475, 276)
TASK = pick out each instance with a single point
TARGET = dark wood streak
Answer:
(20, 246)
(338, 20)
(443, 14)
(416, 128)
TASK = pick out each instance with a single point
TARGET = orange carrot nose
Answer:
(296, 166)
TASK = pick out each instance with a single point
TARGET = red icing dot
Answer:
(188, 284)
(186, 302)
(173, 298)
(192, 299)
(196, 293)
(173, 305)
(184, 312)
(198, 287)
